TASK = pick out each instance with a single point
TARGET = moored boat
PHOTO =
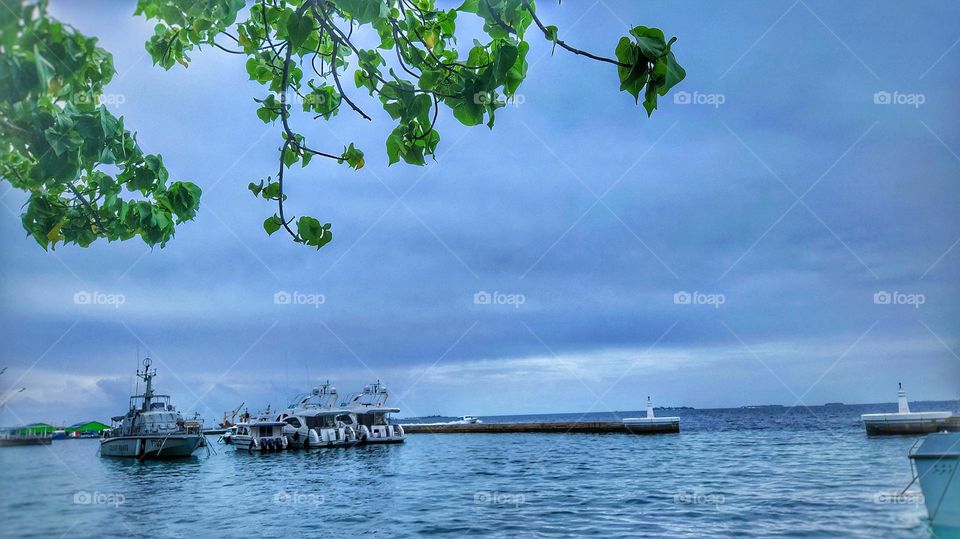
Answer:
(937, 464)
(259, 434)
(152, 428)
(371, 417)
(313, 420)
(10, 439)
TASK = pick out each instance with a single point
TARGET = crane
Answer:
(233, 415)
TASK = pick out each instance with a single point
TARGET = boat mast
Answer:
(147, 376)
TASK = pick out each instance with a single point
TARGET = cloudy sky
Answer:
(784, 230)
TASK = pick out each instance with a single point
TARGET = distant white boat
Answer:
(904, 421)
(937, 461)
(462, 420)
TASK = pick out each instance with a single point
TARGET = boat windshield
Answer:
(157, 403)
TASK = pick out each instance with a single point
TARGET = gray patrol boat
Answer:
(151, 428)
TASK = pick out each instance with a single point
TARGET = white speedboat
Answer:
(313, 420)
(258, 433)
(467, 420)
(227, 436)
(371, 417)
(936, 462)
(151, 428)
(904, 421)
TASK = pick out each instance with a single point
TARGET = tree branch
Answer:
(563, 44)
(93, 215)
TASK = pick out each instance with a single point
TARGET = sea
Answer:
(745, 472)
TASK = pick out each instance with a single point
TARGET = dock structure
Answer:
(628, 425)
(906, 422)
(554, 427)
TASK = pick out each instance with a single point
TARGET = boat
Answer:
(651, 423)
(227, 436)
(936, 462)
(371, 416)
(904, 421)
(28, 435)
(313, 420)
(259, 433)
(152, 428)
(462, 420)
(20, 437)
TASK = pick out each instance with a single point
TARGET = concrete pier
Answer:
(907, 422)
(557, 427)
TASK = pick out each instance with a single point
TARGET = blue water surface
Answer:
(784, 472)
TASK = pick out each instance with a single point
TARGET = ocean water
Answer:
(767, 472)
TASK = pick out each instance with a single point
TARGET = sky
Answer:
(783, 230)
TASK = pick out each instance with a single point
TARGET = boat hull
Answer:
(39, 440)
(249, 443)
(176, 446)
(382, 434)
(937, 461)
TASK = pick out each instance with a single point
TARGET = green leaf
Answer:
(299, 28)
(650, 41)
(272, 224)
